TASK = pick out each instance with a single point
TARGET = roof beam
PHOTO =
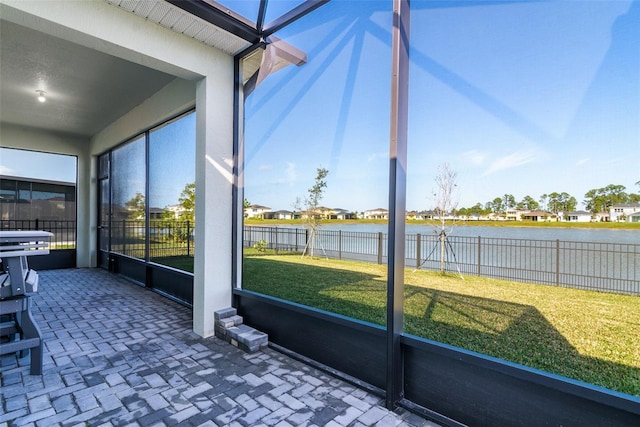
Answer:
(219, 16)
(262, 11)
(293, 15)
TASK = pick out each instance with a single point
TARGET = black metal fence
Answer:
(610, 267)
(167, 238)
(64, 232)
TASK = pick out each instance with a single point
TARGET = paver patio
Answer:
(118, 354)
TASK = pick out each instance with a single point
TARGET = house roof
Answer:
(576, 213)
(537, 213)
(626, 205)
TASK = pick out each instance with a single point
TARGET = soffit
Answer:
(183, 22)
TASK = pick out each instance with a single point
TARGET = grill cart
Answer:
(18, 330)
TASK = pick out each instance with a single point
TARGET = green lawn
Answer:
(589, 336)
(181, 262)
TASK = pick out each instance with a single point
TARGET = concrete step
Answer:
(229, 327)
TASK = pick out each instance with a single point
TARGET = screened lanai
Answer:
(182, 113)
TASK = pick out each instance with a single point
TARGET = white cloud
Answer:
(376, 156)
(582, 161)
(265, 167)
(475, 156)
(5, 170)
(513, 160)
(290, 174)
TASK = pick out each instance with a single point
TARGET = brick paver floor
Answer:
(117, 354)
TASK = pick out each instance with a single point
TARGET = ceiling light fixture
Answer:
(41, 95)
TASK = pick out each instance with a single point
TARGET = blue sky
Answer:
(521, 98)
(33, 164)
(172, 149)
(518, 98)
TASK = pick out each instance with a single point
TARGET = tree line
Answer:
(595, 200)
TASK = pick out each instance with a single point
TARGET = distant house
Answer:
(331, 213)
(339, 213)
(493, 216)
(155, 213)
(379, 213)
(257, 211)
(622, 211)
(634, 217)
(577, 216)
(176, 210)
(601, 217)
(515, 214)
(410, 215)
(538, 216)
(281, 214)
(30, 199)
(425, 215)
(325, 212)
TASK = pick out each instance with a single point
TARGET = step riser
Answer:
(230, 328)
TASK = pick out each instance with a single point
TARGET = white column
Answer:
(86, 214)
(214, 183)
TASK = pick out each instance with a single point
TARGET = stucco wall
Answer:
(204, 78)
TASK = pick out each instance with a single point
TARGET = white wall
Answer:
(202, 71)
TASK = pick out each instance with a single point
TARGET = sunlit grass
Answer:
(585, 335)
(181, 262)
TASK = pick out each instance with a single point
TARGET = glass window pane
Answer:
(521, 100)
(128, 198)
(8, 198)
(36, 165)
(103, 166)
(331, 113)
(104, 215)
(275, 9)
(54, 175)
(23, 206)
(172, 192)
(48, 202)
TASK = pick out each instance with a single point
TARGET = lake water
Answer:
(596, 259)
(535, 233)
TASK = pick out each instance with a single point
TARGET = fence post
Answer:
(339, 244)
(124, 236)
(418, 250)
(37, 224)
(557, 262)
(379, 247)
(276, 230)
(306, 237)
(188, 239)
(479, 255)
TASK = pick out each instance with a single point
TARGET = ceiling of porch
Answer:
(86, 89)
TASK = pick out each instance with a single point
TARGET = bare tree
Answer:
(446, 202)
(310, 211)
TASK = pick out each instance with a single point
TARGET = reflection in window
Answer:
(172, 192)
(522, 99)
(38, 191)
(31, 201)
(128, 198)
(331, 113)
(159, 210)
